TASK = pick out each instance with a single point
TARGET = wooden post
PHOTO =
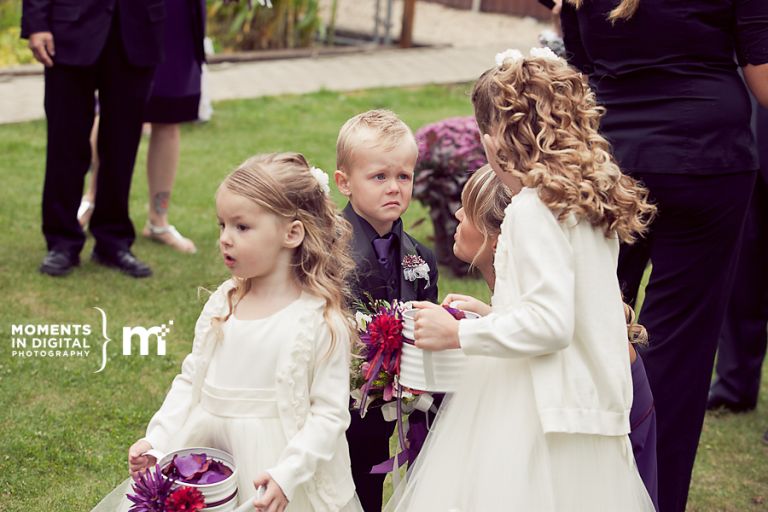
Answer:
(406, 31)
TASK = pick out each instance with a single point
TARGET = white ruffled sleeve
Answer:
(540, 260)
(328, 416)
(177, 405)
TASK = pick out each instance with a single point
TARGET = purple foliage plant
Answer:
(449, 152)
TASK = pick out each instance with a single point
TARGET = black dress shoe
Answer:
(124, 261)
(59, 263)
(717, 403)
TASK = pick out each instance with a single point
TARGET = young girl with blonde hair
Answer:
(540, 418)
(268, 376)
(483, 201)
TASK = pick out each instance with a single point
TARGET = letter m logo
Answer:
(159, 332)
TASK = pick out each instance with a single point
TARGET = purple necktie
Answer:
(382, 246)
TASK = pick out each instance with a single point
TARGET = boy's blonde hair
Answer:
(484, 200)
(545, 118)
(388, 130)
(282, 184)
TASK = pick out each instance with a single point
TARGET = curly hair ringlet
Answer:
(545, 118)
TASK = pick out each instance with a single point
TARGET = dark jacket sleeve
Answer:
(34, 17)
(751, 31)
(430, 292)
(574, 48)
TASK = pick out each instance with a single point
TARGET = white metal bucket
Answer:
(219, 496)
(425, 370)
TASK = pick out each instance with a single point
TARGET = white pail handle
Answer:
(154, 453)
(429, 369)
(248, 505)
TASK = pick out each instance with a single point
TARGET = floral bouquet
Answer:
(376, 360)
(158, 490)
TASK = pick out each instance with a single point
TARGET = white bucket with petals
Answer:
(219, 496)
(426, 370)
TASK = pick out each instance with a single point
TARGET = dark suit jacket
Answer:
(80, 28)
(368, 276)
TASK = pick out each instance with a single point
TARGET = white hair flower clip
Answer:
(543, 52)
(510, 55)
(322, 178)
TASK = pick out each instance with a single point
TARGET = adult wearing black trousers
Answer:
(678, 116)
(743, 340)
(109, 46)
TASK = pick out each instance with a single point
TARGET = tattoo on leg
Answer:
(160, 202)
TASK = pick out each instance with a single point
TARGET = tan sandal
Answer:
(170, 236)
(84, 212)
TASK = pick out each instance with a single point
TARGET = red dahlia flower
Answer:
(185, 499)
(385, 332)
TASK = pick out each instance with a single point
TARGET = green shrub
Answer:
(287, 24)
(13, 50)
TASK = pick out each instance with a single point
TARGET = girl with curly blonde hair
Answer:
(483, 202)
(541, 415)
(540, 124)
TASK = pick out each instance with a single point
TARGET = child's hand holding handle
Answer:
(141, 457)
(269, 495)
(434, 328)
(466, 303)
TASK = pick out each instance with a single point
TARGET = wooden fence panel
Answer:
(515, 7)
(458, 4)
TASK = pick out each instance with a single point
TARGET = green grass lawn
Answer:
(65, 429)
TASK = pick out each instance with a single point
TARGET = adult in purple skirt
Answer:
(174, 99)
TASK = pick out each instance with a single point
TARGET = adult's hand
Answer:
(757, 80)
(434, 327)
(41, 44)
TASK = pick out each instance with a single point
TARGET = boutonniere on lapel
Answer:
(414, 267)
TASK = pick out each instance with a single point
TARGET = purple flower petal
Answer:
(211, 477)
(188, 465)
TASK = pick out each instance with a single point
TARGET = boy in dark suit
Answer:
(375, 156)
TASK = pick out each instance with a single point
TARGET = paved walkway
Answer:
(474, 38)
